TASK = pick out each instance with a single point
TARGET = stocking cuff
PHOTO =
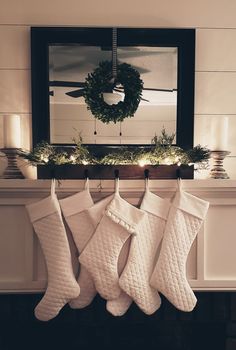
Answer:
(124, 214)
(155, 205)
(43, 208)
(97, 210)
(191, 204)
(76, 203)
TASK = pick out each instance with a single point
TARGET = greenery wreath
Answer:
(99, 81)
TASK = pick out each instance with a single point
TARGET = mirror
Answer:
(62, 58)
(69, 115)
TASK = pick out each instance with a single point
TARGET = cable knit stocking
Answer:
(101, 254)
(136, 275)
(45, 216)
(169, 276)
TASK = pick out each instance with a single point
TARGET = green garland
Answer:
(99, 81)
(46, 154)
(161, 152)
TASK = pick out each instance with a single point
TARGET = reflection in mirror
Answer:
(69, 65)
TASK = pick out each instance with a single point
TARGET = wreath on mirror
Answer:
(101, 80)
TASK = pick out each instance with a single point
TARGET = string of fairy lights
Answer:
(161, 152)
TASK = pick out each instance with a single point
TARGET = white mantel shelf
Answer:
(211, 262)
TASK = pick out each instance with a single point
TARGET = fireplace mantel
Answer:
(211, 262)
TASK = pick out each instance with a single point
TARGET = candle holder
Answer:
(217, 171)
(12, 171)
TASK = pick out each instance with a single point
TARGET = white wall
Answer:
(214, 21)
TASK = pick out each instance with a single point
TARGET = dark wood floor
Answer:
(211, 326)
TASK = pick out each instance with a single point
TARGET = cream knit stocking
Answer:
(82, 228)
(135, 278)
(45, 216)
(169, 276)
(119, 306)
(101, 254)
(90, 217)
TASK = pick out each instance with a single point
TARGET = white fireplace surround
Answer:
(211, 262)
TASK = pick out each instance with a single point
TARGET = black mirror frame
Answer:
(42, 37)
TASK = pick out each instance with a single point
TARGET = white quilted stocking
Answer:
(169, 276)
(136, 275)
(45, 216)
(119, 306)
(82, 228)
(101, 254)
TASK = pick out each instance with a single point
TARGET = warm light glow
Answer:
(84, 162)
(167, 161)
(44, 158)
(142, 162)
(72, 158)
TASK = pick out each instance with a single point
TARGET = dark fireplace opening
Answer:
(210, 326)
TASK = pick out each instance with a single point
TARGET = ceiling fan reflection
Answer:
(80, 92)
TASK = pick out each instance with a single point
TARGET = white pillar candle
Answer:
(12, 131)
(219, 133)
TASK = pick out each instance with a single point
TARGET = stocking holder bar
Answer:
(108, 172)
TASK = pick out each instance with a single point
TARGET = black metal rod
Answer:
(146, 173)
(116, 173)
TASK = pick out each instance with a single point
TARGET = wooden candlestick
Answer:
(218, 172)
(12, 171)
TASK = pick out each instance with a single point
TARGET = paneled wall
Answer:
(215, 25)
